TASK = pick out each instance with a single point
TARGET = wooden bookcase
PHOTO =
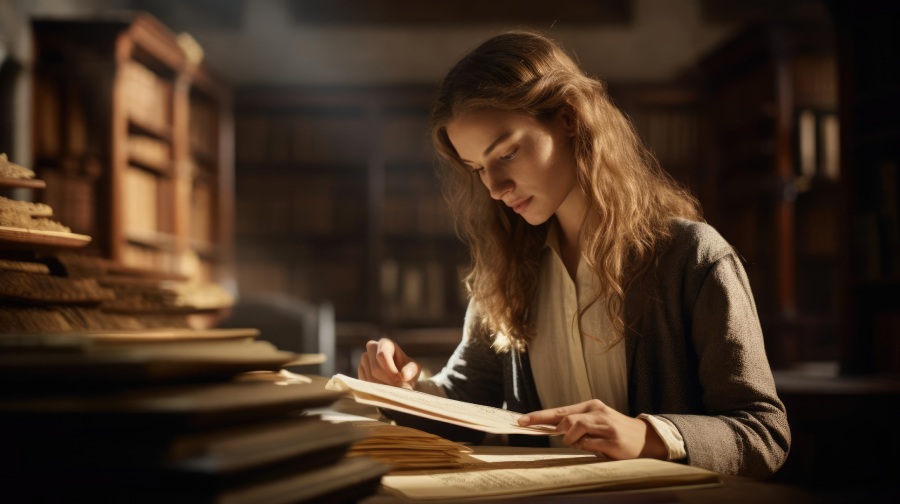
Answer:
(670, 120)
(134, 140)
(772, 136)
(337, 201)
(869, 47)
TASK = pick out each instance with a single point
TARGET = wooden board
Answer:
(26, 183)
(34, 238)
(22, 371)
(162, 335)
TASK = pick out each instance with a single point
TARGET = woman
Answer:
(599, 300)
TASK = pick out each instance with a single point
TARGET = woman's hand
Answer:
(384, 362)
(593, 426)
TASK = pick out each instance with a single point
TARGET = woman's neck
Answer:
(569, 216)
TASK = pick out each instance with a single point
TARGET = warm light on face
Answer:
(522, 161)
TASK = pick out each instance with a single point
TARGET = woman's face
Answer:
(526, 163)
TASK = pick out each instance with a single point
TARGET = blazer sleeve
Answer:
(745, 430)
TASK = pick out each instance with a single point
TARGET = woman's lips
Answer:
(522, 205)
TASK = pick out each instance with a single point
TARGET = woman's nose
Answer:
(497, 182)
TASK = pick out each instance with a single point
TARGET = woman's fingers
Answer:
(554, 416)
(591, 426)
(362, 371)
(545, 417)
(577, 427)
(410, 373)
(594, 444)
(385, 362)
(385, 351)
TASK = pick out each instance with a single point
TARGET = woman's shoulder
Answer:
(694, 242)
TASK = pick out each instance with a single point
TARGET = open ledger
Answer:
(601, 475)
(473, 416)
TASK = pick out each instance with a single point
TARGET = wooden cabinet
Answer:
(134, 140)
(337, 201)
(771, 104)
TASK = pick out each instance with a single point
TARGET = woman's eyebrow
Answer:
(499, 139)
(491, 147)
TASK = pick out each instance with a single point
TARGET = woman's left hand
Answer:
(593, 426)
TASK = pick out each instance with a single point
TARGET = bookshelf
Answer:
(670, 121)
(337, 201)
(868, 46)
(134, 138)
(770, 99)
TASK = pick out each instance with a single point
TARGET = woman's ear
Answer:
(567, 116)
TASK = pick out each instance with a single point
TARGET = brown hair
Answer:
(630, 199)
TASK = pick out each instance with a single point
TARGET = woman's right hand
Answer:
(384, 362)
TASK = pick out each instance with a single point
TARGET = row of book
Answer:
(149, 218)
(60, 111)
(302, 139)
(148, 151)
(333, 138)
(204, 127)
(417, 292)
(407, 139)
(149, 96)
(339, 281)
(306, 213)
(876, 231)
(203, 214)
(143, 192)
(413, 203)
(672, 134)
(411, 291)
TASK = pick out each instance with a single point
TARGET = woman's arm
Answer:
(745, 430)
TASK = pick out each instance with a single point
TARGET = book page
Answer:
(610, 475)
(473, 416)
(520, 454)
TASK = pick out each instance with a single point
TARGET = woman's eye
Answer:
(510, 156)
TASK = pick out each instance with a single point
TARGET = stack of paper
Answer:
(404, 448)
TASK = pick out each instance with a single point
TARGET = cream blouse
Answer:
(571, 359)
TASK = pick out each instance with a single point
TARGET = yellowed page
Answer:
(509, 454)
(609, 475)
(474, 416)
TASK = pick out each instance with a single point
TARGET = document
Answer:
(473, 416)
(605, 475)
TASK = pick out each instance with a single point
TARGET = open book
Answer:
(577, 476)
(473, 416)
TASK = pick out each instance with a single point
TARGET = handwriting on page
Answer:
(638, 473)
(475, 416)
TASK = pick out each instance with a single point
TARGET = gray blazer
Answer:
(695, 356)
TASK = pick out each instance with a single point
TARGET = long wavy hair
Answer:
(630, 199)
